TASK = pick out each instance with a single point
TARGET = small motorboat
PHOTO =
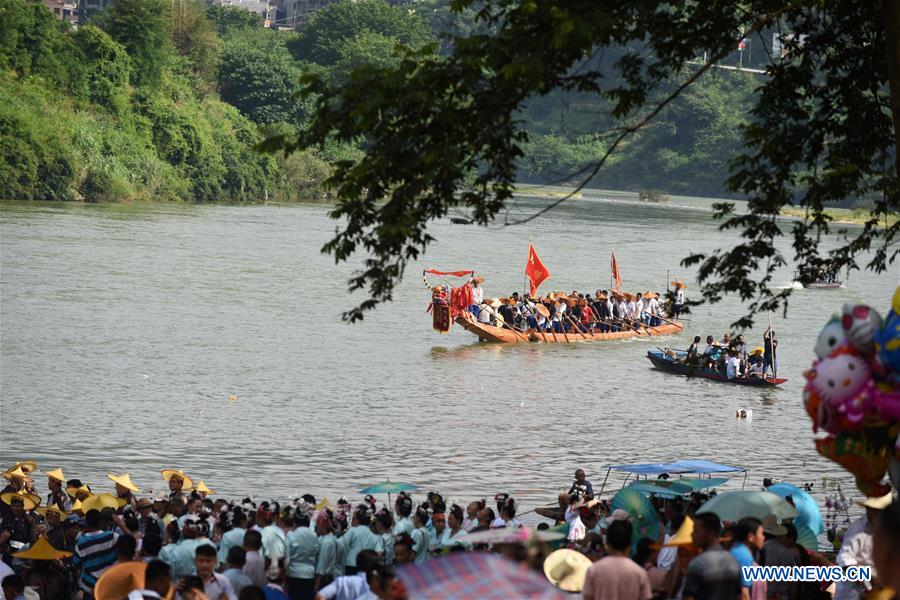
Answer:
(668, 364)
(461, 221)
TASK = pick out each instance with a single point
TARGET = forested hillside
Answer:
(146, 104)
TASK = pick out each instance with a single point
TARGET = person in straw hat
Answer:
(886, 547)
(46, 576)
(18, 482)
(616, 575)
(204, 490)
(18, 528)
(856, 548)
(57, 495)
(52, 525)
(678, 304)
(125, 488)
(179, 483)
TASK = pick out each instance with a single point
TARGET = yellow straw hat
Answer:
(684, 535)
(125, 481)
(27, 466)
(123, 578)
(34, 498)
(566, 569)
(83, 491)
(54, 509)
(56, 474)
(99, 502)
(27, 502)
(188, 482)
(204, 489)
(76, 506)
(322, 504)
(42, 549)
(17, 471)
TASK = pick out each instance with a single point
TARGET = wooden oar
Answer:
(644, 326)
(531, 312)
(669, 321)
(577, 328)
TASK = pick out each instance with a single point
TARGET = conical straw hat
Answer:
(204, 489)
(56, 474)
(99, 502)
(125, 481)
(188, 482)
(27, 502)
(42, 549)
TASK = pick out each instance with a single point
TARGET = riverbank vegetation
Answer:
(139, 104)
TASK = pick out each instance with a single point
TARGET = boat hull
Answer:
(502, 335)
(666, 365)
(823, 286)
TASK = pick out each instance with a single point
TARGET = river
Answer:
(127, 330)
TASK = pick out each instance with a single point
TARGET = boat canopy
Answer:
(692, 467)
(700, 467)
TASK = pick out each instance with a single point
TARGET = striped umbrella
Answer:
(467, 575)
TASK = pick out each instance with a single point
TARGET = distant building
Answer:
(255, 6)
(293, 13)
(64, 10)
(88, 8)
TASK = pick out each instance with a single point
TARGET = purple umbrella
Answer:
(467, 575)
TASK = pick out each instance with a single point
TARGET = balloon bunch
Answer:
(853, 393)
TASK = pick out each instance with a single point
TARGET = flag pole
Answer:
(525, 281)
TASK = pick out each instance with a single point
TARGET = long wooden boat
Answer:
(667, 365)
(503, 335)
(821, 285)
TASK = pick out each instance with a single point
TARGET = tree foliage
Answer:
(141, 27)
(259, 77)
(101, 133)
(331, 27)
(228, 19)
(821, 126)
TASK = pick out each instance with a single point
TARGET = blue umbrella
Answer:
(388, 487)
(810, 515)
(641, 512)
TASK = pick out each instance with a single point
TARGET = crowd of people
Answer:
(604, 311)
(200, 547)
(732, 356)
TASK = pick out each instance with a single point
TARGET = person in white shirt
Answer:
(216, 586)
(732, 365)
(655, 320)
(484, 314)
(856, 547)
(477, 295)
(630, 308)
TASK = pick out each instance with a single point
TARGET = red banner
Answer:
(535, 270)
(452, 273)
(615, 274)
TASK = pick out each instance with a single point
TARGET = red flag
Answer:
(615, 273)
(535, 270)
